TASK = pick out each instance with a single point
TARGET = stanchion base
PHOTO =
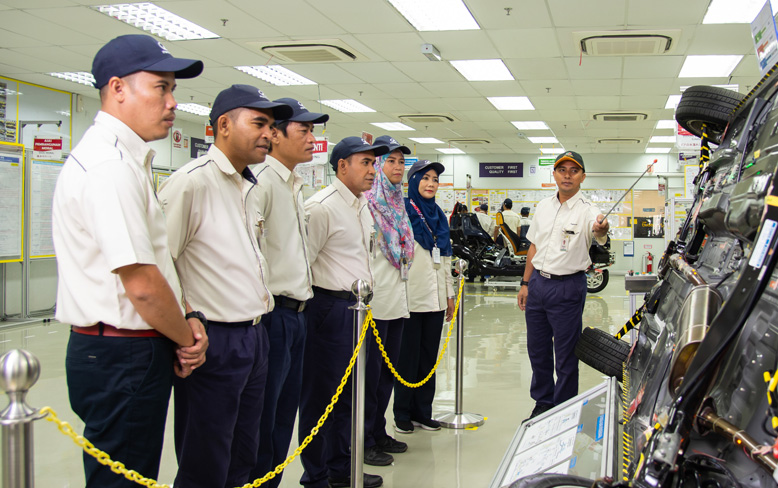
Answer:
(451, 420)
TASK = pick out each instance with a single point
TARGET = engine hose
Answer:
(739, 438)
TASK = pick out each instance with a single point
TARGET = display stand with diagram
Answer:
(577, 437)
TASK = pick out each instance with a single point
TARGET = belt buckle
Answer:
(545, 275)
(301, 306)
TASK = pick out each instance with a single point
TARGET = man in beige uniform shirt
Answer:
(214, 228)
(117, 284)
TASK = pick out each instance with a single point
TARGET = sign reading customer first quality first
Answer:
(501, 170)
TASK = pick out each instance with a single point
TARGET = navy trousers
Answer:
(286, 333)
(378, 379)
(120, 388)
(554, 321)
(328, 348)
(418, 353)
(218, 408)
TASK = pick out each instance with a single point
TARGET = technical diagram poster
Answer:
(765, 38)
(12, 202)
(43, 179)
(543, 456)
(549, 427)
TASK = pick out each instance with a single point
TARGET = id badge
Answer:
(261, 227)
(404, 268)
(373, 244)
(435, 255)
(566, 235)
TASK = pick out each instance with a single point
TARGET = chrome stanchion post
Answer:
(19, 370)
(459, 419)
(362, 290)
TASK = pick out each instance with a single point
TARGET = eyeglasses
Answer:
(563, 171)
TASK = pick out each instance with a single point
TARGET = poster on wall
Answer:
(320, 148)
(689, 174)
(43, 179)
(12, 203)
(47, 148)
(765, 38)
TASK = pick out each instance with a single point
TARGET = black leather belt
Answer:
(245, 323)
(343, 295)
(556, 277)
(286, 302)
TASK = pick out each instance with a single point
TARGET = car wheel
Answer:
(602, 352)
(706, 105)
(596, 282)
(552, 481)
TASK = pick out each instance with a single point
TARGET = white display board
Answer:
(43, 179)
(12, 205)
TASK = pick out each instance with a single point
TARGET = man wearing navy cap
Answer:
(117, 284)
(553, 290)
(214, 229)
(284, 244)
(340, 241)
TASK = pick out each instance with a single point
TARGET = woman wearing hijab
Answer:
(390, 264)
(431, 296)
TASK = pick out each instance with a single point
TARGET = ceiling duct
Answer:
(626, 43)
(427, 118)
(469, 142)
(619, 140)
(620, 116)
(320, 51)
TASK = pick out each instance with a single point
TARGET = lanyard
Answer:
(434, 237)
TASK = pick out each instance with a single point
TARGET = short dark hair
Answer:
(525, 211)
(281, 126)
(484, 207)
(508, 203)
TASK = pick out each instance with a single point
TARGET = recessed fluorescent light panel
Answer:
(349, 106)
(657, 150)
(672, 101)
(194, 108)
(709, 66)
(734, 11)
(436, 15)
(77, 77)
(511, 103)
(543, 140)
(426, 140)
(535, 125)
(276, 75)
(665, 124)
(662, 140)
(552, 150)
(392, 126)
(156, 20)
(450, 150)
(483, 69)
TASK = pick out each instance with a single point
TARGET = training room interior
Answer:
(598, 77)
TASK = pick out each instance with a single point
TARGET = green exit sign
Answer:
(546, 161)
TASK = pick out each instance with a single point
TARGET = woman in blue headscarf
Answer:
(431, 299)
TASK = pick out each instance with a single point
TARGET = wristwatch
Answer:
(199, 316)
(524, 283)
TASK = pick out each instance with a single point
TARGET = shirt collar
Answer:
(347, 195)
(572, 200)
(139, 150)
(226, 167)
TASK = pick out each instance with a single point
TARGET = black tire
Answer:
(596, 282)
(602, 352)
(706, 105)
(552, 481)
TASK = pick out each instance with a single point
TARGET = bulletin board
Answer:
(43, 180)
(159, 178)
(649, 214)
(11, 202)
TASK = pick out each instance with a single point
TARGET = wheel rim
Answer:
(593, 279)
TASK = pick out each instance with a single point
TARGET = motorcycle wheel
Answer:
(596, 282)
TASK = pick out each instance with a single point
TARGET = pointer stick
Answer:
(625, 193)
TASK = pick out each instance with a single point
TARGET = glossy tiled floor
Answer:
(496, 381)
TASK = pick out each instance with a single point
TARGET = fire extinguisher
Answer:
(650, 263)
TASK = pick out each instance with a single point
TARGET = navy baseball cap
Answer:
(393, 145)
(484, 207)
(300, 113)
(238, 96)
(353, 145)
(423, 165)
(129, 54)
(570, 156)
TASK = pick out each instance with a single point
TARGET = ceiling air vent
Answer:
(618, 140)
(427, 118)
(323, 51)
(620, 116)
(626, 43)
(468, 142)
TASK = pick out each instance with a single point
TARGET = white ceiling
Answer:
(535, 41)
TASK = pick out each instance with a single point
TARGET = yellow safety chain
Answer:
(442, 352)
(118, 468)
